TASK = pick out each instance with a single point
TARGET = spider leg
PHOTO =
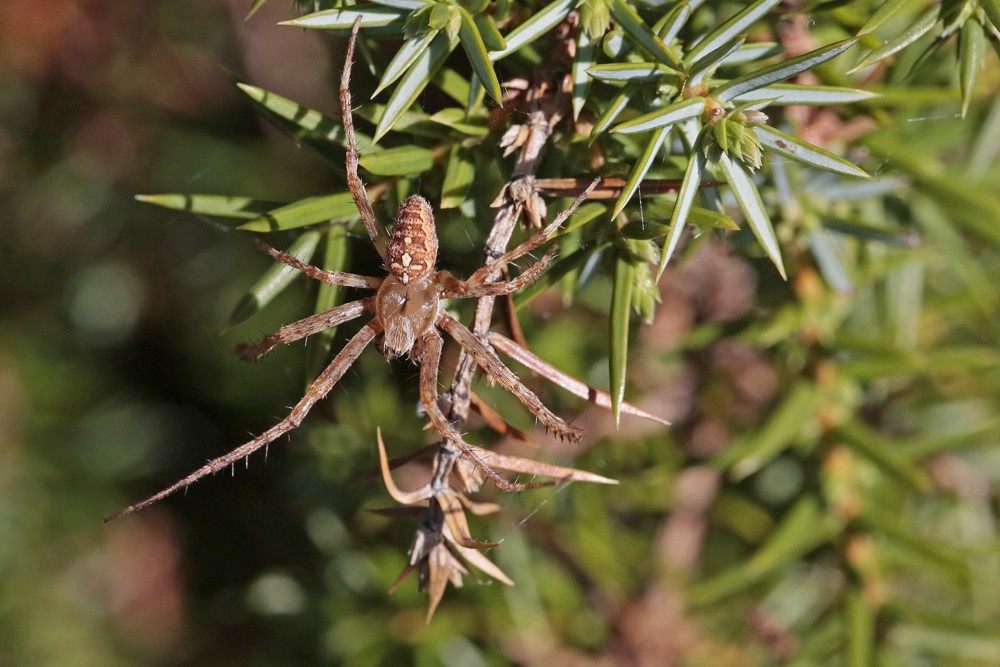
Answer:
(430, 366)
(323, 384)
(496, 371)
(354, 183)
(316, 273)
(484, 273)
(307, 326)
(454, 287)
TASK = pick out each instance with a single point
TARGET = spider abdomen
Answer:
(413, 245)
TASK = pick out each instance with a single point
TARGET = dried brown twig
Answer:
(443, 546)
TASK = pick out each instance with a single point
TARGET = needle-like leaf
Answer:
(780, 71)
(748, 198)
(805, 95)
(685, 200)
(404, 58)
(748, 53)
(475, 49)
(797, 407)
(456, 119)
(343, 19)
(629, 21)
(672, 22)
(871, 445)
(399, 161)
(991, 8)
(859, 621)
(619, 319)
(788, 146)
(585, 49)
(730, 30)
(458, 178)
(640, 168)
(540, 23)
(613, 110)
(306, 126)
(305, 212)
(408, 5)
(665, 117)
(917, 29)
(491, 35)
(633, 72)
(243, 208)
(702, 67)
(257, 4)
(801, 530)
(972, 48)
(885, 11)
(413, 82)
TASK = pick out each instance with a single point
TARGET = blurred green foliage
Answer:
(826, 496)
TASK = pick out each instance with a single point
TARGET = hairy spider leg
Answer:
(307, 326)
(354, 183)
(322, 275)
(431, 339)
(496, 371)
(483, 274)
(320, 388)
(430, 366)
(454, 287)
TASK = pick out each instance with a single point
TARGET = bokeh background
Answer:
(112, 366)
(117, 378)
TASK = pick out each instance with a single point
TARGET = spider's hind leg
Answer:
(430, 365)
(496, 371)
(320, 388)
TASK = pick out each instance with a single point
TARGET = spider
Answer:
(407, 313)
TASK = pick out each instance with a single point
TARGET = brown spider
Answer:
(407, 312)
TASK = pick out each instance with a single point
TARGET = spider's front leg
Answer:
(320, 321)
(320, 388)
(453, 287)
(490, 269)
(354, 182)
(322, 275)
